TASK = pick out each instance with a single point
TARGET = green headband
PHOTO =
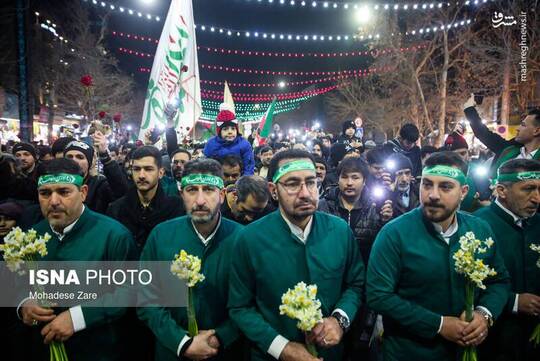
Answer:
(518, 177)
(292, 167)
(61, 178)
(446, 171)
(202, 179)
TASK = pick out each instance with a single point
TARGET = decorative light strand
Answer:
(321, 4)
(287, 73)
(291, 95)
(262, 97)
(306, 37)
(122, 10)
(140, 54)
(294, 83)
(223, 51)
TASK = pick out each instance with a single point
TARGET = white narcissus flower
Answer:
(536, 248)
(301, 303)
(20, 247)
(187, 268)
(466, 262)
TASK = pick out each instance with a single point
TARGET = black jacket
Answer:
(14, 186)
(414, 201)
(364, 219)
(394, 146)
(491, 140)
(140, 221)
(103, 190)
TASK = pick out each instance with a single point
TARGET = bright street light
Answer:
(281, 84)
(363, 15)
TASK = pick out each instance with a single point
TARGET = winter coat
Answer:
(364, 219)
(394, 146)
(218, 147)
(103, 190)
(140, 221)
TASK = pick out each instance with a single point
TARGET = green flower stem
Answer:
(312, 349)
(535, 337)
(57, 350)
(193, 329)
(470, 351)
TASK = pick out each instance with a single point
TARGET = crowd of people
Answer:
(373, 226)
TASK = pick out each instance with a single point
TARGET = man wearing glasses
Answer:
(292, 245)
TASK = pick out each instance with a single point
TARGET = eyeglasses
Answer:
(294, 187)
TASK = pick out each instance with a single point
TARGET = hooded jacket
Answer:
(218, 147)
(394, 146)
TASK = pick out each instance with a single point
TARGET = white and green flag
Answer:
(174, 80)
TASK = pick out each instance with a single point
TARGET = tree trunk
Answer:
(505, 99)
(443, 90)
(50, 122)
(422, 99)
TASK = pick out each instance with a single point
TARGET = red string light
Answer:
(373, 53)
(140, 54)
(135, 37)
(206, 94)
(287, 73)
(292, 83)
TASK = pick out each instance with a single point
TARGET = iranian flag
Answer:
(174, 85)
(265, 126)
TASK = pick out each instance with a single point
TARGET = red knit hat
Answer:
(225, 118)
(455, 141)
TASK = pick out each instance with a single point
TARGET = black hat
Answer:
(60, 144)
(82, 147)
(25, 146)
(348, 124)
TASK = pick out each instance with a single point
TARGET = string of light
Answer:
(317, 37)
(340, 54)
(264, 97)
(287, 73)
(353, 6)
(375, 52)
(259, 106)
(291, 95)
(122, 10)
(292, 83)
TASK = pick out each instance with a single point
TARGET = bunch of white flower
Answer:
(301, 303)
(20, 247)
(187, 268)
(466, 262)
(536, 248)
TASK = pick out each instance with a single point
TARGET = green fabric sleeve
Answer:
(496, 295)
(382, 278)
(227, 332)
(121, 247)
(241, 304)
(159, 319)
(355, 274)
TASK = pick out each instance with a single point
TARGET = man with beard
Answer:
(171, 185)
(78, 234)
(411, 278)
(321, 169)
(247, 200)
(145, 205)
(27, 156)
(207, 235)
(232, 168)
(406, 194)
(515, 221)
(265, 155)
(284, 248)
(102, 190)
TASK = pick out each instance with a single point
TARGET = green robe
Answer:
(170, 186)
(269, 260)
(94, 237)
(509, 338)
(169, 325)
(411, 281)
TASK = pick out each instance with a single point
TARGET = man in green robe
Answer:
(210, 237)
(295, 244)
(78, 234)
(411, 277)
(515, 221)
